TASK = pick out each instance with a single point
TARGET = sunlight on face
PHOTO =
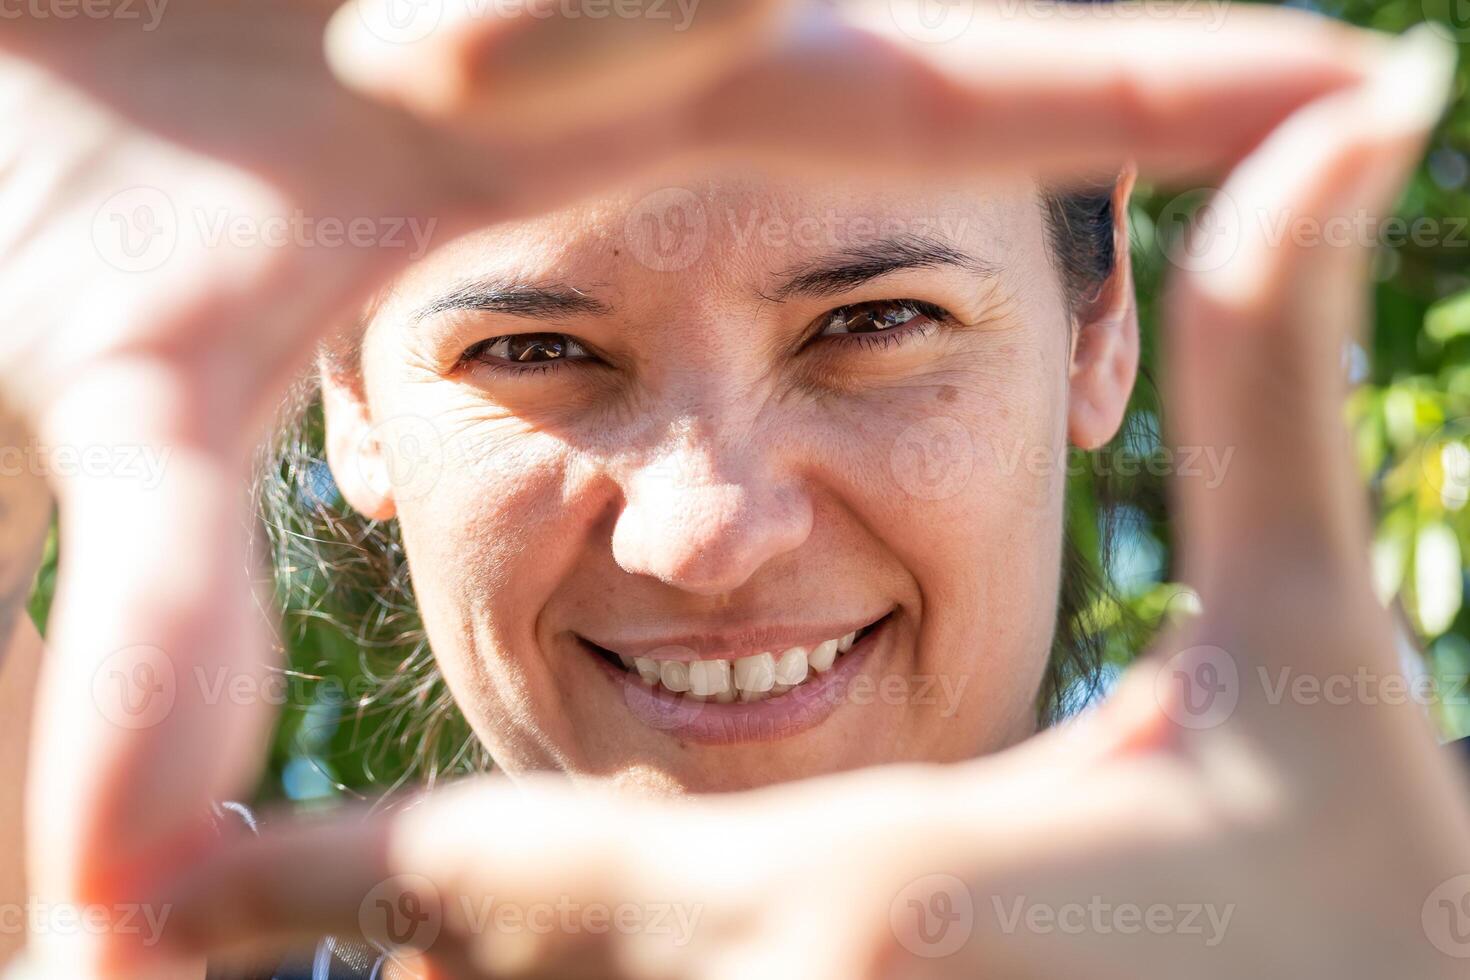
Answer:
(733, 482)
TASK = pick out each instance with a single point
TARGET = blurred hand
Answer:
(134, 324)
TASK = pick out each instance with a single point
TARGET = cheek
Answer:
(482, 539)
(963, 478)
(981, 433)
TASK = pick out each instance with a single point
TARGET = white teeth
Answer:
(822, 656)
(710, 677)
(754, 678)
(755, 675)
(675, 675)
(791, 666)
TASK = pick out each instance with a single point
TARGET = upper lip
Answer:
(731, 644)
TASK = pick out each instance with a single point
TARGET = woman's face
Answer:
(795, 449)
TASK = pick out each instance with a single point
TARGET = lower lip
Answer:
(712, 723)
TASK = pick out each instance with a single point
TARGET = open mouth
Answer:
(756, 677)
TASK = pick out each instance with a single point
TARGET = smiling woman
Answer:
(720, 437)
(643, 479)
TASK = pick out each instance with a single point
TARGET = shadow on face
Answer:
(714, 485)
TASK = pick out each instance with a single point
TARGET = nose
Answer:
(704, 519)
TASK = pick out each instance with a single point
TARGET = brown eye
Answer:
(877, 317)
(528, 348)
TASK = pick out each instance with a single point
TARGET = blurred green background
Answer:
(1411, 416)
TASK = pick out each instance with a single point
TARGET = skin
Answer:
(1268, 810)
(718, 464)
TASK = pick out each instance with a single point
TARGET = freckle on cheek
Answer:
(948, 394)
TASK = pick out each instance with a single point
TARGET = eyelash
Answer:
(477, 354)
(924, 320)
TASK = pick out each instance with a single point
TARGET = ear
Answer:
(355, 449)
(1105, 344)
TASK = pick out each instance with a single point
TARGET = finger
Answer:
(1258, 320)
(541, 67)
(150, 705)
(434, 878)
(993, 87)
(989, 89)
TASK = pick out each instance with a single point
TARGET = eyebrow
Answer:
(850, 268)
(530, 300)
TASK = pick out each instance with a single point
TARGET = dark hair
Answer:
(1082, 227)
(337, 570)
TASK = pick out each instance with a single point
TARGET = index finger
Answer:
(984, 87)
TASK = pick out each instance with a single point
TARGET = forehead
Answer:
(729, 234)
